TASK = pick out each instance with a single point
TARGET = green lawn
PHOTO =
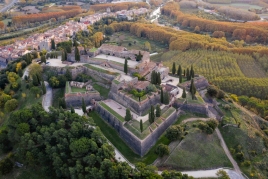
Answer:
(137, 132)
(93, 49)
(115, 114)
(78, 90)
(103, 91)
(111, 134)
(198, 101)
(168, 112)
(100, 70)
(198, 151)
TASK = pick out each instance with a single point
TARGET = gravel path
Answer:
(47, 98)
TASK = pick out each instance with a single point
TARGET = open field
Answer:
(136, 43)
(198, 151)
(241, 5)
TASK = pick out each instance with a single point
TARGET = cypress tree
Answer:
(180, 78)
(53, 46)
(65, 55)
(44, 87)
(184, 72)
(128, 115)
(43, 59)
(62, 56)
(158, 111)
(152, 113)
(192, 72)
(35, 80)
(159, 78)
(150, 117)
(188, 74)
(84, 106)
(183, 93)
(166, 98)
(179, 72)
(152, 78)
(125, 67)
(77, 54)
(63, 104)
(20, 72)
(173, 68)
(68, 75)
(192, 89)
(162, 96)
(72, 109)
(141, 126)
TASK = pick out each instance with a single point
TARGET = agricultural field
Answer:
(197, 151)
(131, 42)
(239, 74)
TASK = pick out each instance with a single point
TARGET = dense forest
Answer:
(117, 7)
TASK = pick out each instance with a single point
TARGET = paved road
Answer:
(26, 72)
(47, 98)
(7, 7)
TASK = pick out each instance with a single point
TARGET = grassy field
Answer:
(241, 6)
(198, 151)
(103, 91)
(114, 138)
(100, 70)
(248, 139)
(136, 43)
(78, 90)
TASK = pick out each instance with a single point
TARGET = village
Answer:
(60, 34)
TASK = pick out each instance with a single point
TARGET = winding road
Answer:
(47, 98)
(8, 6)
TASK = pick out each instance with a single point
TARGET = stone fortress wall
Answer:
(128, 102)
(139, 146)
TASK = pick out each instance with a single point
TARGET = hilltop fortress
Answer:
(133, 91)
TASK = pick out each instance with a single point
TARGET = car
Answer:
(47, 63)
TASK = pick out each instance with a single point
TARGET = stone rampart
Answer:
(139, 146)
(194, 108)
(75, 99)
(128, 102)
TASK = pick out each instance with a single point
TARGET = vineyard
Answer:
(234, 73)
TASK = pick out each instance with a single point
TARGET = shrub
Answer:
(240, 156)
(6, 166)
(246, 163)
(174, 132)
(162, 150)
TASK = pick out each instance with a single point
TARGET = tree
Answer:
(179, 72)
(212, 91)
(77, 54)
(43, 59)
(183, 93)
(68, 75)
(35, 80)
(72, 109)
(147, 46)
(192, 72)
(128, 116)
(152, 114)
(20, 72)
(158, 75)
(53, 46)
(65, 55)
(35, 90)
(192, 89)
(222, 174)
(174, 132)
(166, 98)
(141, 126)
(162, 150)
(35, 69)
(125, 66)
(109, 30)
(162, 96)
(6, 166)
(154, 77)
(173, 68)
(53, 82)
(150, 117)
(180, 78)
(197, 29)
(62, 56)
(83, 105)
(11, 105)
(158, 111)
(139, 56)
(188, 77)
